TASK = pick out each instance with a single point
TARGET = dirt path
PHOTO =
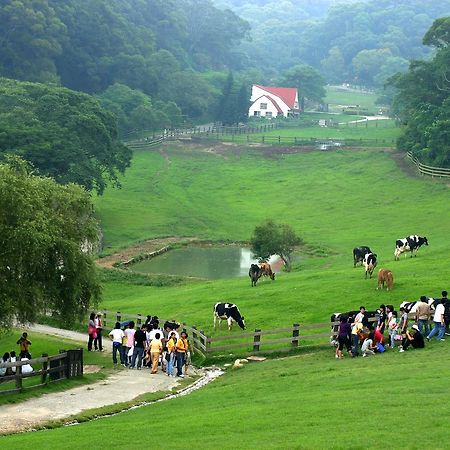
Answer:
(142, 247)
(123, 386)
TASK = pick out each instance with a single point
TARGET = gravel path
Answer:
(67, 334)
(125, 385)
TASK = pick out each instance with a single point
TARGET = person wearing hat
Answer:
(98, 344)
(416, 339)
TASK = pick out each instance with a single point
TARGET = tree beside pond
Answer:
(47, 236)
(274, 239)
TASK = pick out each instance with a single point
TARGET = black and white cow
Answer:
(411, 307)
(229, 312)
(409, 244)
(254, 273)
(359, 253)
(369, 262)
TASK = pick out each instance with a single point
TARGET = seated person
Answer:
(378, 337)
(5, 359)
(368, 347)
(416, 339)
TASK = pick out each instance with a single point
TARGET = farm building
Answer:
(273, 102)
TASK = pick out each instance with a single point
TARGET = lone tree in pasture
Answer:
(47, 237)
(274, 239)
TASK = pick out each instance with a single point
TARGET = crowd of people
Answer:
(10, 357)
(357, 335)
(165, 349)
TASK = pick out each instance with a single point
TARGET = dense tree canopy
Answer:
(47, 234)
(274, 239)
(423, 100)
(64, 134)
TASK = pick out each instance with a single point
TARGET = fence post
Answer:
(256, 340)
(194, 336)
(104, 319)
(19, 378)
(208, 344)
(202, 340)
(295, 334)
(118, 317)
(44, 369)
(139, 320)
(62, 365)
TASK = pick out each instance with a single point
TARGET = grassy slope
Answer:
(334, 200)
(311, 401)
(50, 345)
(338, 96)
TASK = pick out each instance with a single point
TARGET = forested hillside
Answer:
(157, 46)
(358, 42)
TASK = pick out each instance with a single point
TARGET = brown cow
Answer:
(385, 277)
(266, 270)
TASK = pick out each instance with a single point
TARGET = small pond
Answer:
(203, 262)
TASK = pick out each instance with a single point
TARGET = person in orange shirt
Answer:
(155, 351)
(182, 347)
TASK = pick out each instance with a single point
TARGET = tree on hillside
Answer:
(423, 100)
(274, 239)
(47, 237)
(64, 134)
(308, 81)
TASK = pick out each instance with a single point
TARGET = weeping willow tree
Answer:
(47, 238)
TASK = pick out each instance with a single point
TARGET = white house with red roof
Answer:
(273, 102)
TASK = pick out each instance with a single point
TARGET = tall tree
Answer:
(47, 237)
(274, 239)
(65, 134)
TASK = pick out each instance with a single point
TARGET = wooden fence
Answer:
(429, 170)
(68, 364)
(256, 342)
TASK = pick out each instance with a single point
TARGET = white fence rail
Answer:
(429, 170)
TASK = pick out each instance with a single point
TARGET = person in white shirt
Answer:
(439, 323)
(360, 316)
(117, 335)
(367, 347)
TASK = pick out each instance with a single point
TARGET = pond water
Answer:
(203, 262)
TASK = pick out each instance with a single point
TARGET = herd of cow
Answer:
(368, 259)
(230, 312)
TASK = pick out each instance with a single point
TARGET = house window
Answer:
(263, 106)
(269, 114)
(257, 113)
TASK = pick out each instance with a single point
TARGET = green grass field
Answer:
(338, 96)
(335, 201)
(50, 345)
(307, 402)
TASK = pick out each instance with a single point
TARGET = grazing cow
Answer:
(369, 324)
(266, 270)
(254, 273)
(229, 312)
(359, 253)
(409, 244)
(385, 277)
(369, 262)
(411, 307)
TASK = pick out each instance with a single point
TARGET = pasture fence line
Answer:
(428, 170)
(65, 365)
(259, 341)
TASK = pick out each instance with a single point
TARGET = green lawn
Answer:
(336, 96)
(334, 200)
(310, 402)
(50, 345)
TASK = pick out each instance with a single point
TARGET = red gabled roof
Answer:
(272, 100)
(288, 95)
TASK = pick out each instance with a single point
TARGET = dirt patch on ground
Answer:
(91, 368)
(149, 246)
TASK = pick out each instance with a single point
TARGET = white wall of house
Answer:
(257, 92)
(263, 108)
